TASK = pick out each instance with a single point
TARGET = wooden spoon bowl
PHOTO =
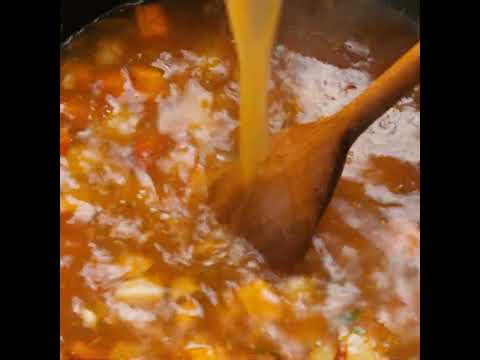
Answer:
(279, 211)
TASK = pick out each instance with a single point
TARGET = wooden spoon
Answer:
(279, 211)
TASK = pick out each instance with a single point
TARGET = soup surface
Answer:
(148, 119)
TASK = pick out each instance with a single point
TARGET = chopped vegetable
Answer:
(148, 79)
(137, 265)
(260, 300)
(139, 290)
(109, 52)
(183, 286)
(151, 20)
(112, 82)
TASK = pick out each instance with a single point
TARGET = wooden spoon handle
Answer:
(381, 95)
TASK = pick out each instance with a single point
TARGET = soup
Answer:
(149, 112)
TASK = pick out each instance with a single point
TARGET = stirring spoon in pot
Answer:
(278, 212)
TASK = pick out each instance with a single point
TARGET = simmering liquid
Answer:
(149, 116)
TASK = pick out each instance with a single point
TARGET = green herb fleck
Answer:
(358, 330)
(350, 317)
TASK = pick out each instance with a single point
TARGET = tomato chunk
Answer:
(148, 79)
(109, 52)
(151, 20)
(112, 82)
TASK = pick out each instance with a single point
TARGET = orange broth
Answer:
(148, 119)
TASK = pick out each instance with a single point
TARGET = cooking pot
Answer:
(76, 14)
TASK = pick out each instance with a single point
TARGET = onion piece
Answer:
(139, 290)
